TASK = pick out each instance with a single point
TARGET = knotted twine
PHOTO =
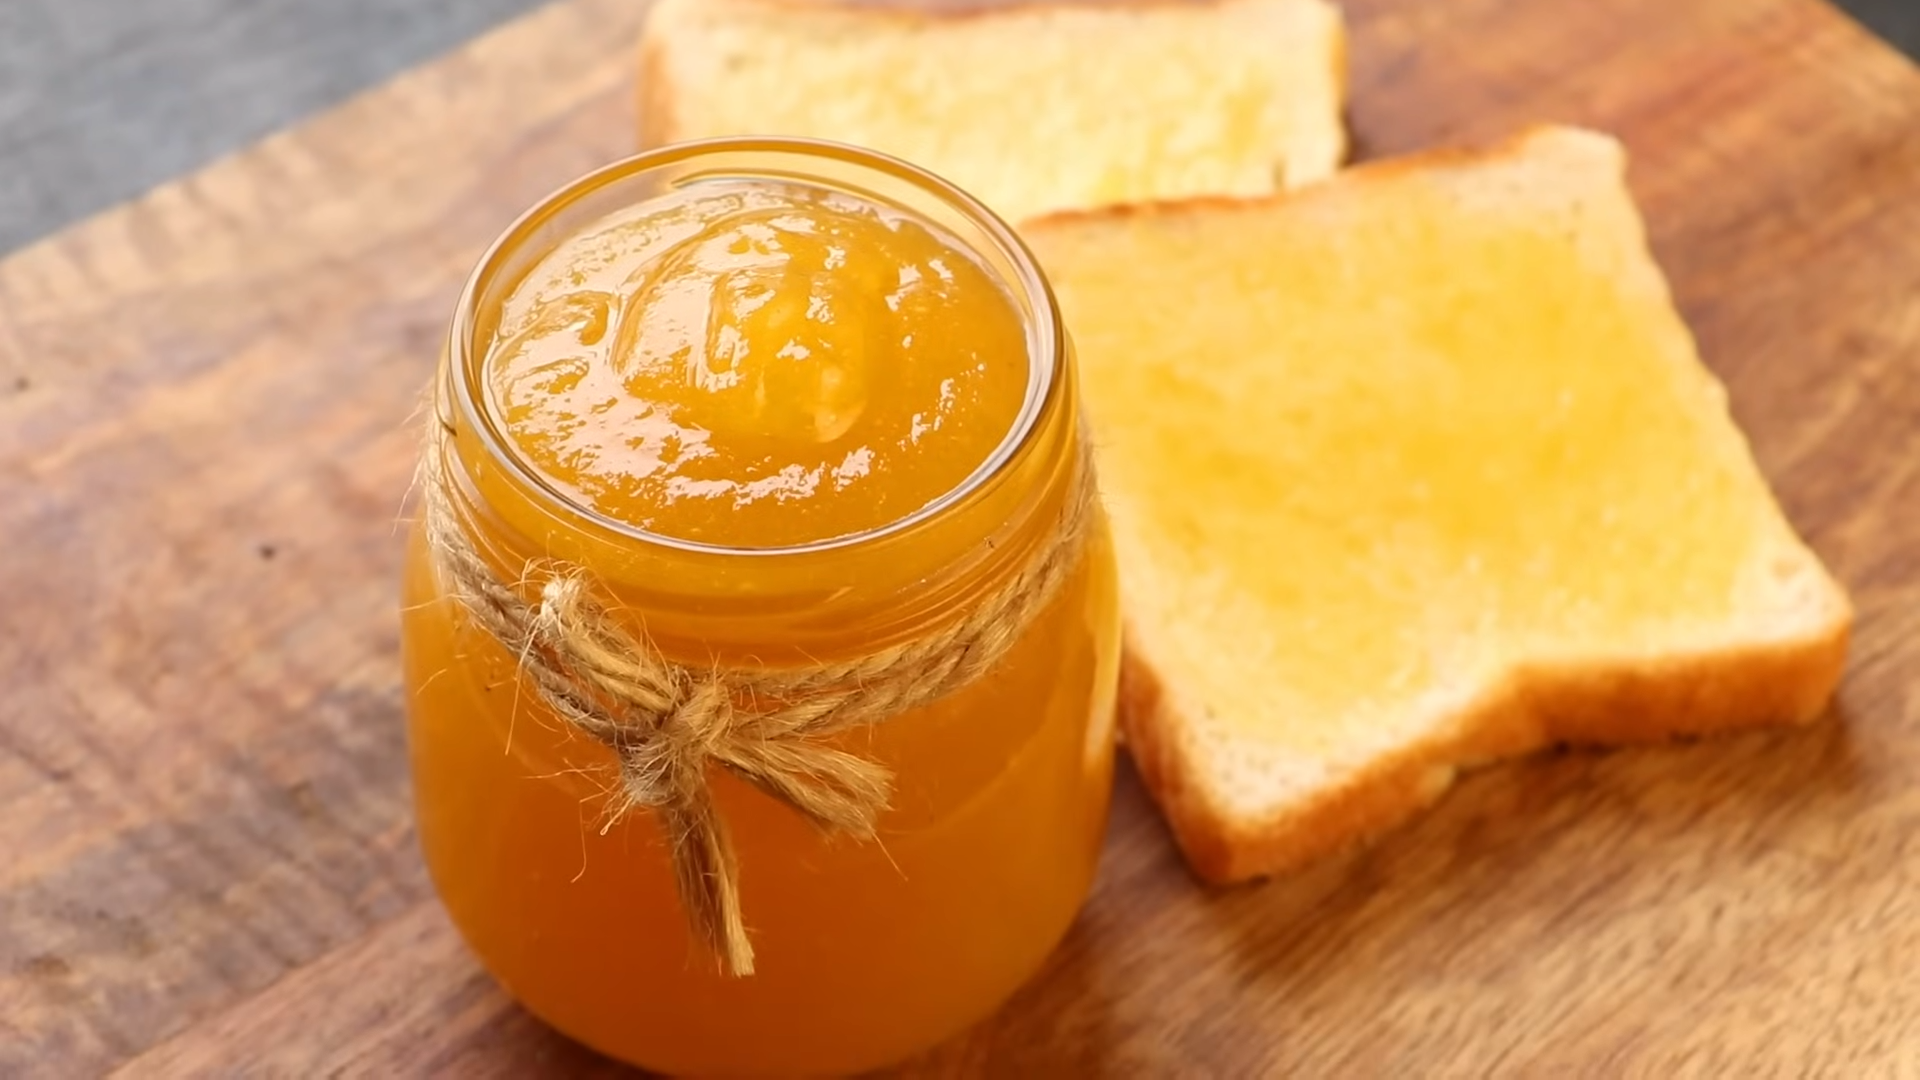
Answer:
(666, 722)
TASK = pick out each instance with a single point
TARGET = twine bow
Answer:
(667, 722)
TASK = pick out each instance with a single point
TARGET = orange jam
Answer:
(783, 403)
(757, 364)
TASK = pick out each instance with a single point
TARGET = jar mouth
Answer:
(817, 162)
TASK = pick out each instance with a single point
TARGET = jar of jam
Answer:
(761, 633)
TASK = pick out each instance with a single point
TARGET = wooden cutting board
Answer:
(206, 427)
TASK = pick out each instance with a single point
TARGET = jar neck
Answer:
(783, 606)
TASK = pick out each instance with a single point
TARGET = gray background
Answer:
(102, 99)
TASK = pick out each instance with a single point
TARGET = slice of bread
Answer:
(1411, 470)
(1031, 107)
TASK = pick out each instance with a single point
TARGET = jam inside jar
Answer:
(781, 403)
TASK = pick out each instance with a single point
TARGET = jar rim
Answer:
(1046, 344)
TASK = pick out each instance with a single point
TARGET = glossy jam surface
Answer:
(704, 368)
(757, 365)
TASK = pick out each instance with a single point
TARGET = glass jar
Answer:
(865, 951)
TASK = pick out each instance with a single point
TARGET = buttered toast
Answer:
(1411, 470)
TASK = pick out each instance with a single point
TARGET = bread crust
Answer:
(1530, 707)
(1341, 68)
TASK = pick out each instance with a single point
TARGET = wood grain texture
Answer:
(208, 863)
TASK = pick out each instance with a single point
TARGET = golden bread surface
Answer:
(1413, 469)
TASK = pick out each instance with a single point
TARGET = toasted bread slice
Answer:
(1411, 470)
(1031, 107)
